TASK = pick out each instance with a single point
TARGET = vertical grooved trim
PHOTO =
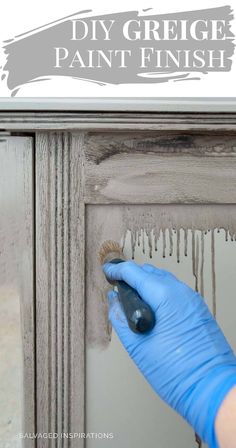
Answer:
(59, 287)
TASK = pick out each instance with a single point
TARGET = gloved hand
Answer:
(185, 358)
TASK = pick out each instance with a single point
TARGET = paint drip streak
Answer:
(185, 242)
(202, 264)
(171, 241)
(197, 263)
(178, 246)
(213, 273)
(152, 238)
(168, 239)
(164, 243)
(194, 260)
(150, 244)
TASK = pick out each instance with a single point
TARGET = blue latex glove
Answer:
(186, 357)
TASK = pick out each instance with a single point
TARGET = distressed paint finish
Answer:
(69, 167)
(163, 168)
(119, 121)
(146, 223)
(16, 253)
(72, 170)
(60, 287)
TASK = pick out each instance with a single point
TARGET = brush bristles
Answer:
(110, 250)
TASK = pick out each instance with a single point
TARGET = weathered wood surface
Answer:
(74, 169)
(16, 254)
(104, 222)
(144, 168)
(60, 287)
(117, 121)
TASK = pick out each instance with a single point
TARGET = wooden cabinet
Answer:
(81, 179)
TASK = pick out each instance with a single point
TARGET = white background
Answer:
(22, 16)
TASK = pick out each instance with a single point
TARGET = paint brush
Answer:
(139, 315)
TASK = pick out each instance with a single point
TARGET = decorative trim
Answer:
(97, 121)
(59, 289)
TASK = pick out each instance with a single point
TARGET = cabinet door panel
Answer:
(172, 237)
(170, 190)
(16, 291)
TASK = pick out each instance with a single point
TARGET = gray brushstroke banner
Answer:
(123, 48)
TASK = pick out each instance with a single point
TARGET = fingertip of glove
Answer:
(105, 267)
(111, 295)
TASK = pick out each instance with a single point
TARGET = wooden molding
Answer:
(156, 121)
(59, 288)
(144, 168)
(77, 168)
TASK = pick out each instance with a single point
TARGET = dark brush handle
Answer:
(139, 314)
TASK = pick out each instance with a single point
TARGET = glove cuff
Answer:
(206, 400)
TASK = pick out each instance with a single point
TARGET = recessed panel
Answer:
(196, 243)
(16, 292)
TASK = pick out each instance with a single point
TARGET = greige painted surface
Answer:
(11, 370)
(72, 171)
(113, 221)
(138, 417)
(68, 168)
(183, 168)
(16, 288)
(60, 287)
(118, 121)
(121, 402)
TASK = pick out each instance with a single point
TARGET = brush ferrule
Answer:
(113, 256)
(115, 261)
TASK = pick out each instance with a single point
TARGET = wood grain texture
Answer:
(193, 162)
(60, 287)
(16, 250)
(115, 222)
(160, 168)
(117, 121)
